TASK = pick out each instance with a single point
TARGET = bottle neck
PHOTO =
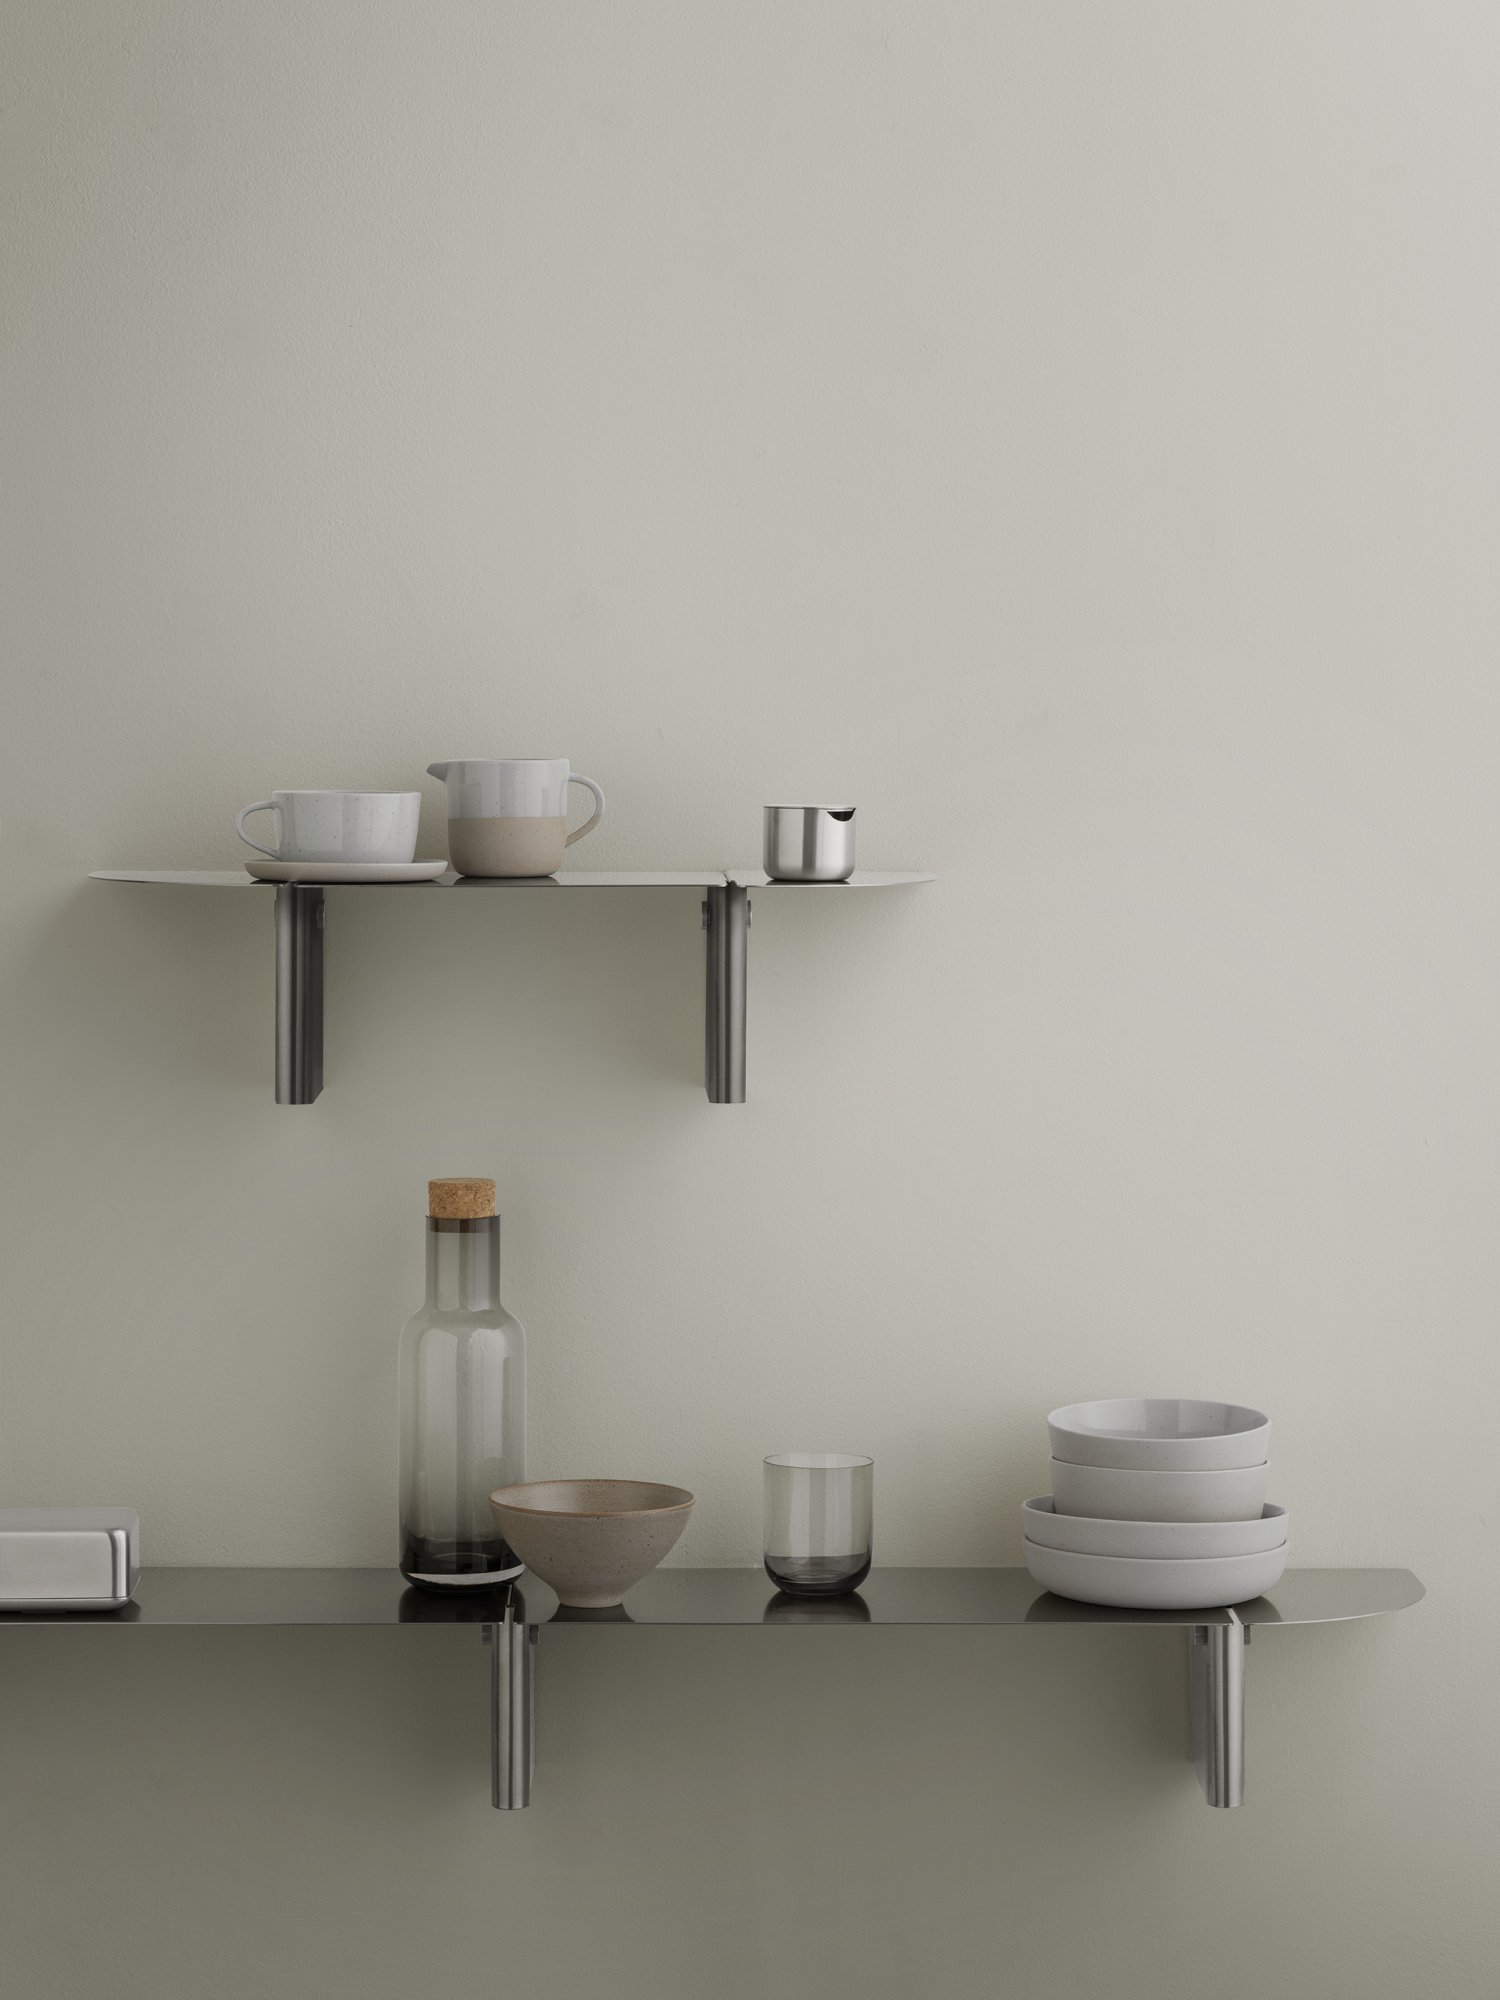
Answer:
(463, 1264)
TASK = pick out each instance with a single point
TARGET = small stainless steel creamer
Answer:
(809, 843)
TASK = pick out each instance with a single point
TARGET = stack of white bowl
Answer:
(1157, 1505)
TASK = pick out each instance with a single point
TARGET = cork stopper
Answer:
(460, 1201)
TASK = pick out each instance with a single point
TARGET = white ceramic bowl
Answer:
(1107, 1494)
(1163, 1584)
(1160, 1434)
(1082, 1536)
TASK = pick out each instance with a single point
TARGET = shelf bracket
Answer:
(1216, 1709)
(299, 993)
(512, 1644)
(726, 919)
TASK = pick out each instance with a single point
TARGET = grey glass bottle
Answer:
(463, 1412)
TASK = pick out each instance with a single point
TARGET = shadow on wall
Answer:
(548, 990)
(127, 991)
(117, 993)
(286, 1795)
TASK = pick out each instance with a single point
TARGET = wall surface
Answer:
(1069, 431)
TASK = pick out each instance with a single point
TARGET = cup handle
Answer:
(264, 806)
(576, 778)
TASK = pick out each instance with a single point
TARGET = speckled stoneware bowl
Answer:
(591, 1539)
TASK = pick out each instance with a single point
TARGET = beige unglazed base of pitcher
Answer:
(508, 846)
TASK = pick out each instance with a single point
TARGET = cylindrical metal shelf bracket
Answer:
(299, 993)
(726, 919)
(1216, 1709)
(512, 1646)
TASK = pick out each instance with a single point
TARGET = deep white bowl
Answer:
(1107, 1494)
(1080, 1535)
(591, 1539)
(1160, 1434)
(1163, 1584)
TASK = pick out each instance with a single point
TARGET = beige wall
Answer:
(1069, 431)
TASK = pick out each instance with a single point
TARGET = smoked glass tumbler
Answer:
(818, 1513)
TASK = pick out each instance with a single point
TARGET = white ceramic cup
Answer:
(373, 827)
(509, 815)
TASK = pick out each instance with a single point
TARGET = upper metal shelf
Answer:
(1005, 1596)
(571, 878)
(301, 916)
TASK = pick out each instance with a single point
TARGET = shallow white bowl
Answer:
(1083, 1536)
(1160, 1434)
(1106, 1494)
(1163, 1584)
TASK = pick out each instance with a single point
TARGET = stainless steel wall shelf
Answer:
(511, 1621)
(301, 919)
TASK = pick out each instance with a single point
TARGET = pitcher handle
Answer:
(577, 778)
(261, 806)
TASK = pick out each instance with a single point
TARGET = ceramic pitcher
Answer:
(509, 816)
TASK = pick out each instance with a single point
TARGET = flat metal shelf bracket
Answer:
(726, 920)
(1216, 1709)
(299, 993)
(512, 1645)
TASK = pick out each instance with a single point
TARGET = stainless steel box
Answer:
(68, 1558)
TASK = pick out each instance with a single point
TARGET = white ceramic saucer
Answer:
(346, 871)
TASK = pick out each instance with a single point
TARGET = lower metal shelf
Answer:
(512, 1620)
